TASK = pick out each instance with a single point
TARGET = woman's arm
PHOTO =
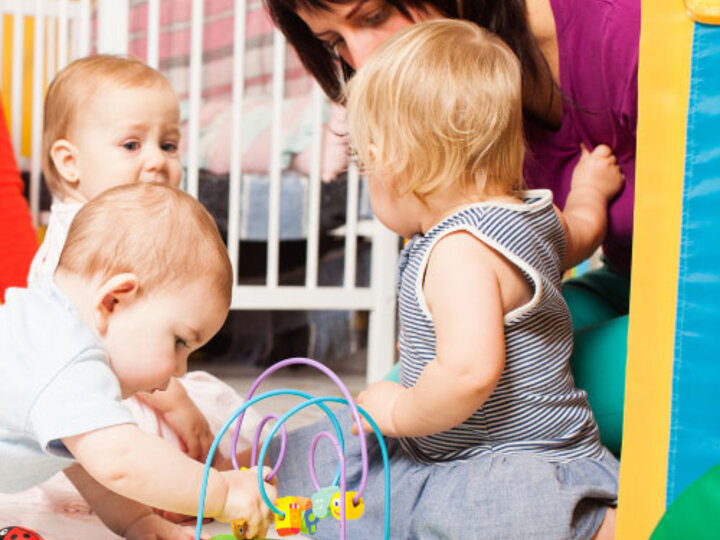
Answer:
(463, 293)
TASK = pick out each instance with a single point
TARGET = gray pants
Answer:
(503, 496)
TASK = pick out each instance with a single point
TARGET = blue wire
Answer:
(381, 441)
(226, 426)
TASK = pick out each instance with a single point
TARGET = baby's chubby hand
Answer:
(244, 502)
(598, 170)
(153, 527)
(191, 427)
(379, 400)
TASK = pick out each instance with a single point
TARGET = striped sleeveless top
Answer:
(535, 407)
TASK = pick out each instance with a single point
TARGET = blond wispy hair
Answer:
(440, 103)
(74, 86)
(157, 232)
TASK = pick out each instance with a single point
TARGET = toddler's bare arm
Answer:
(595, 181)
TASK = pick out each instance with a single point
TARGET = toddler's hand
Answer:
(378, 400)
(191, 427)
(153, 527)
(244, 502)
(598, 170)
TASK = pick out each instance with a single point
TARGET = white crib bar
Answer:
(313, 210)
(381, 330)
(278, 91)
(51, 56)
(196, 40)
(62, 33)
(83, 43)
(153, 33)
(113, 18)
(37, 97)
(17, 75)
(238, 96)
(351, 213)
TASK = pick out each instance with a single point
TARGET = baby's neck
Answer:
(73, 199)
(79, 291)
(442, 204)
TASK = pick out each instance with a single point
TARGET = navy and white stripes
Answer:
(535, 406)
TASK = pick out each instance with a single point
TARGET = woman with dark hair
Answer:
(579, 61)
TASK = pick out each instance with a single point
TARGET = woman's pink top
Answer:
(598, 48)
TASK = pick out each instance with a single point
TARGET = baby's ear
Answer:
(116, 292)
(64, 156)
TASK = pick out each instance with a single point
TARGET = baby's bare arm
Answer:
(463, 294)
(147, 469)
(183, 416)
(595, 181)
(126, 518)
(150, 470)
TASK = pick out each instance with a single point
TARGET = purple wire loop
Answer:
(256, 443)
(311, 456)
(346, 394)
(343, 485)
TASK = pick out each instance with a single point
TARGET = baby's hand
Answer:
(153, 527)
(191, 427)
(598, 170)
(243, 501)
(378, 400)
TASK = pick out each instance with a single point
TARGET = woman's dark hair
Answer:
(506, 18)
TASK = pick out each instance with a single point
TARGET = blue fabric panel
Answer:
(695, 421)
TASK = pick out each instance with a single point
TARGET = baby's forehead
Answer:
(127, 104)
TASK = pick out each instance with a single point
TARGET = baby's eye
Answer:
(131, 145)
(179, 342)
(169, 147)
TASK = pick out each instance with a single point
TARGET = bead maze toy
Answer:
(298, 514)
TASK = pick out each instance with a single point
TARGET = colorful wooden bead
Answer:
(239, 526)
(351, 511)
(309, 522)
(321, 500)
(291, 522)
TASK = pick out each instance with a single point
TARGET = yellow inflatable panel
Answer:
(663, 83)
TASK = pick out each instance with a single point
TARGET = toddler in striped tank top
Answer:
(488, 435)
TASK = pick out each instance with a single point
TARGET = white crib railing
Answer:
(62, 32)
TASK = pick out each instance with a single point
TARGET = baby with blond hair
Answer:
(487, 434)
(111, 121)
(129, 302)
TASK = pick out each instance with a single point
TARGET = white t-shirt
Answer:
(46, 259)
(56, 382)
